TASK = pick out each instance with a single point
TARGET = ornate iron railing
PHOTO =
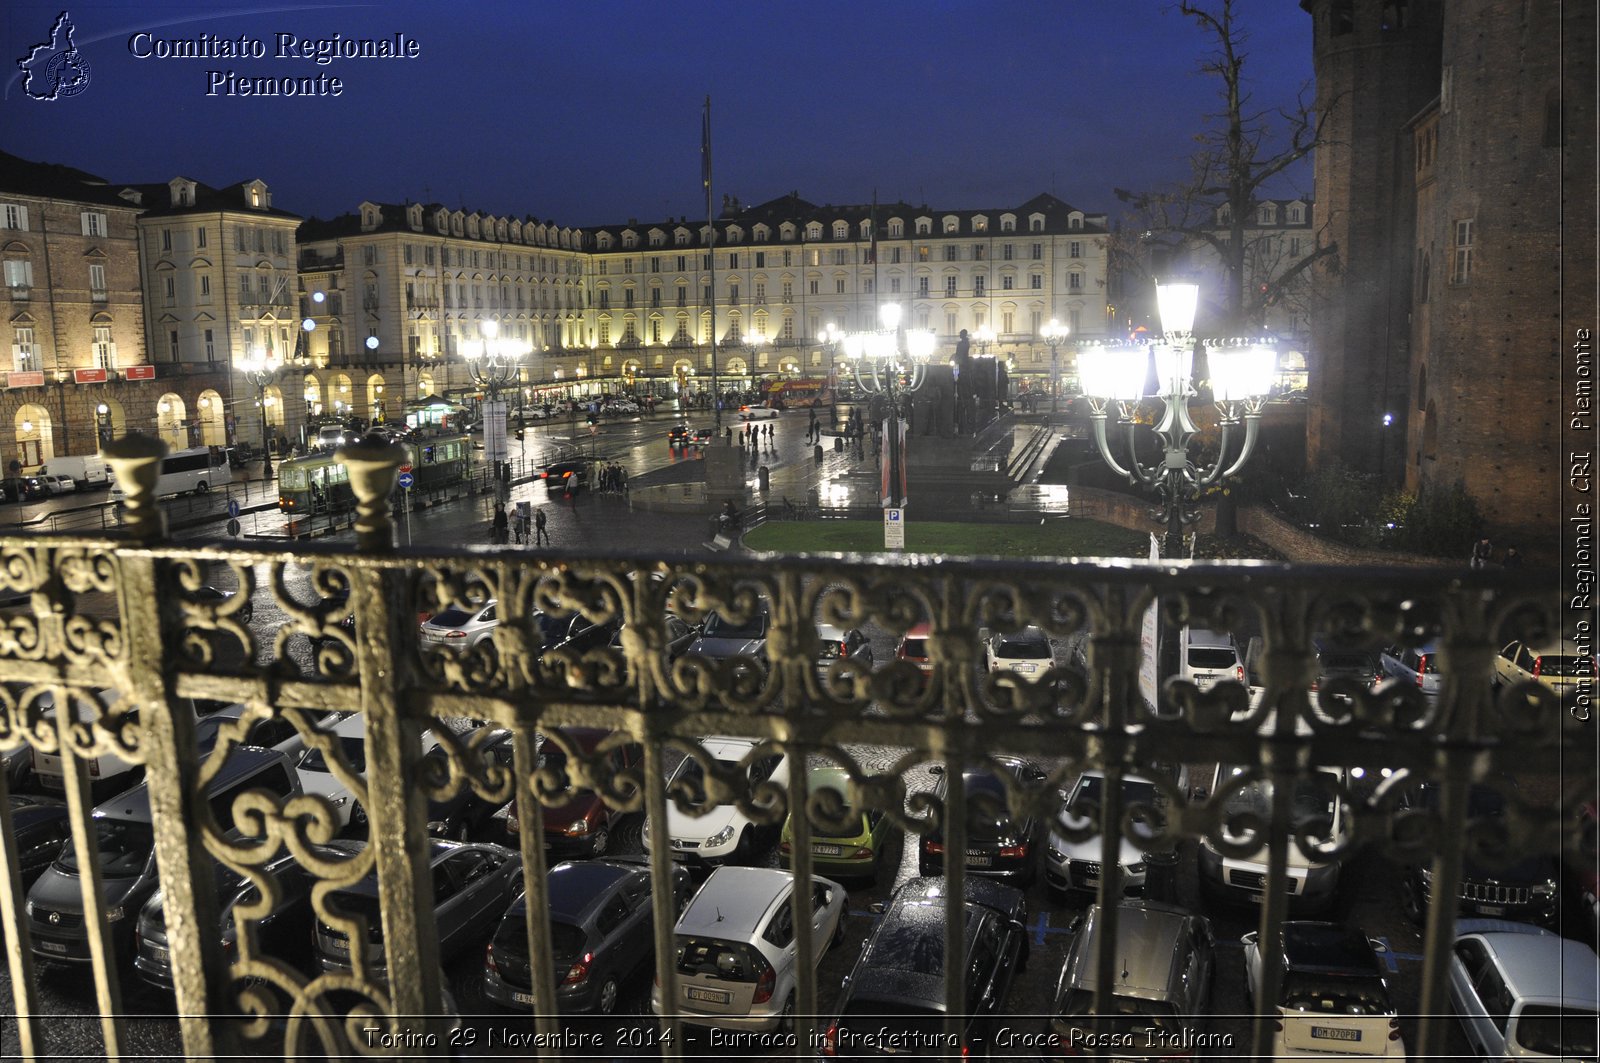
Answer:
(127, 614)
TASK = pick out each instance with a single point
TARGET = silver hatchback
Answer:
(460, 629)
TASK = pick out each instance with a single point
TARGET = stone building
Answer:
(399, 291)
(1437, 355)
(219, 275)
(75, 312)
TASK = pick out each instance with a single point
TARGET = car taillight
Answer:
(544, 476)
(1394, 1029)
(94, 766)
(1538, 666)
(1422, 666)
(931, 846)
(1014, 850)
(458, 634)
(579, 972)
(488, 959)
(765, 984)
(1238, 672)
(830, 1041)
(785, 848)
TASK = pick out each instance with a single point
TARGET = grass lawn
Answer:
(1057, 538)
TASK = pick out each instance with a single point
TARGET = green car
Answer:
(870, 841)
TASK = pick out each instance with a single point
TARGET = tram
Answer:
(319, 483)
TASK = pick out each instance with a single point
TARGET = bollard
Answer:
(838, 442)
(764, 478)
(817, 453)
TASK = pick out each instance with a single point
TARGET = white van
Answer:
(1209, 657)
(86, 470)
(109, 774)
(193, 471)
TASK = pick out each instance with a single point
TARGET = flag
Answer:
(705, 156)
(872, 238)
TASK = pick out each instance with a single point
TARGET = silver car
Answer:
(1522, 992)
(460, 629)
(736, 954)
(1075, 865)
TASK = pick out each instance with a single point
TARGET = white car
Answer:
(1522, 992)
(1075, 865)
(1210, 657)
(1556, 663)
(757, 413)
(316, 777)
(1317, 809)
(57, 484)
(1333, 1001)
(736, 956)
(724, 833)
(1026, 652)
(460, 629)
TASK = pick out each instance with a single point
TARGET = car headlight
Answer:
(1135, 869)
(1547, 888)
(28, 908)
(1056, 854)
(722, 837)
(338, 802)
(578, 826)
(115, 914)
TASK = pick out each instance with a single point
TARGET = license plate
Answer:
(158, 953)
(53, 946)
(1334, 1033)
(53, 782)
(979, 859)
(1492, 909)
(826, 850)
(336, 945)
(522, 998)
(1258, 898)
(710, 996)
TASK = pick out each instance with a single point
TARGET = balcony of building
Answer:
(312, 633)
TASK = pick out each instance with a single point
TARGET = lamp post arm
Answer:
(1252, 426)
(1099, 420)
(1216, 473)
(1148, 475)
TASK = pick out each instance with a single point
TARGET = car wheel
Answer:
(1411, 902)
(201, 488)
(743, 853)
(247, 613)
(838, 931)
(601, 839)
(606, 1002)
(786, 1019)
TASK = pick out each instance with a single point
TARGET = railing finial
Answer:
(373, 467)
(135, 461)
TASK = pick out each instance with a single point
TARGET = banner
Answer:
(494, 431)
(1147, 641)
(886, 463)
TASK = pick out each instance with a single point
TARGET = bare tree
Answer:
(1241, 152)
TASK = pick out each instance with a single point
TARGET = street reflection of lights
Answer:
(833, 493)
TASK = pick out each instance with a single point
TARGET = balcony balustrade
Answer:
(127, 614)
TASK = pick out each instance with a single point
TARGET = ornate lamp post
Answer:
(261, 368)
(493, 363)
(1241, 375)
(889, 361)
(1054, 334)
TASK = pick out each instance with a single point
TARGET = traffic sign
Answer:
(405, 468)
(233, 528)
(407, 481)
(894, 530)
(233, 507)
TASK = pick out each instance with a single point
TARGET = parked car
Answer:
(125, 841)
(316, 777)
(1557, 664)
(1315, 811)
(680, 635)
(473, 885)
(85, 470)
(1166, 965)
(53, 484)
(913, 647)
(736, 958)
(841, 644)
(1075, 865)
(897, 985)
(1524, 993)
(1333, 997)
(282, 933)
(1525, 889)
(460, 629)
(557, 473)
(1210, 657)
(108, 773)
(210, 594)
(1026, 653)
(601, 931)
(582, 826)
(742, 645)
(39, 826)
(866, 843)
(725, 833)
(997, 845)
(1342, 669)
(1414, 667)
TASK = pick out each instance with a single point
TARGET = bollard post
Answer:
(135, 461)
(374, 468)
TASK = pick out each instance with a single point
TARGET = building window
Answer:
(1038, 252)
(839, 256)
(105, 352)
(705, 294)
(1036, 281)
(211, 346)
(761, 292)
(788, 291)
(93, 224)
(949, 286)
(1005, 252)
(24, 355)
(205, 285)
(977, 287)
(19, 277)
(950, 252)
(867, 287)
(950, 324)
(1462, 267)
(894, 285)
(838, 286)
(627, 298)
(427, 255)
(733, 260)
(1075, 282)
(172, 290)
(16, 216)
(813, 287)
(1075, 249)
(683, 296)
(922, 287)
(1007, 282)
(977, 252)
(172, 344)
(369, 255)
(1007, 320)
(97, 282)
(166, 239)
(1294, 245)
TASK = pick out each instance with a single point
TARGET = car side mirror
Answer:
(1250, 938)
(877, 907)
(936, 769)
(1378, 947)
(1198, 793)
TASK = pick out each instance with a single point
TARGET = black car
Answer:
(210, 595)
(557, 473)
(681, 435)
(1524, 890)
(472, 887)
(601, 930)
(282, 933)
(465, 815)
(897, 986)
(39, 826)
(1343, 670)
(997, 845)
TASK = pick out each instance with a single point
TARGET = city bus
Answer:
(193, 471)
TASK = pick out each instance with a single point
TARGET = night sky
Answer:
(588, 112)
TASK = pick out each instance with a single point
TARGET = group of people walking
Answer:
(514, 521)
(756, 436)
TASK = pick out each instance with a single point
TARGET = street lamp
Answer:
(1241, 375)
(261, 368)
(1054, 334)
(888, 361)
(493, 363)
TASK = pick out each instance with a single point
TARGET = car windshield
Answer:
(124, 847)
(1564, 667)
(1091, 791)
(1557, 1031)
(355, 752)
(914, 648)
(1211, 657)
(689, 772)
(1136, 1023)
(451, 617)
(719, 627)
(1362, 663)
(1022, 647)
(1335, 995)
(1312, 805)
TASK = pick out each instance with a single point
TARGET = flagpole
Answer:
(711, 257)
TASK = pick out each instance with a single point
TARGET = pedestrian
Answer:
(1513, 558)
(1481, 551)
(540, 533)
(500, 523)
(811, 424)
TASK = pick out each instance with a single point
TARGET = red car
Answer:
(582, 826)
